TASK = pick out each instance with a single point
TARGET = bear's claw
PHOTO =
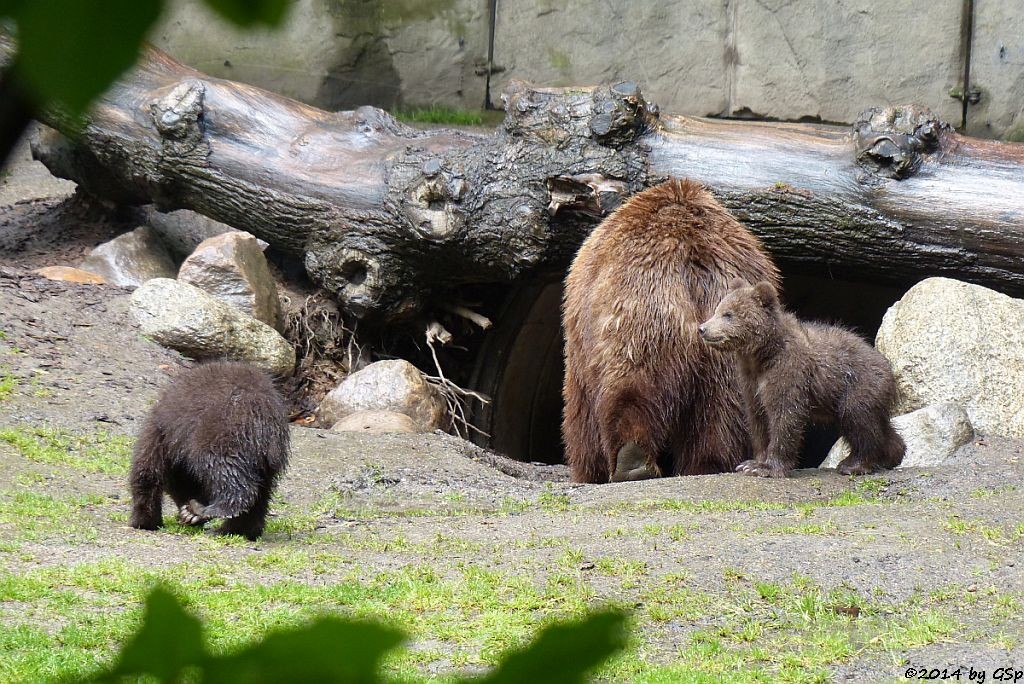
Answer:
(187, 516)
(760, 469)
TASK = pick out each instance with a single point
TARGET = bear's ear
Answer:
(765, 293)
(738, 283)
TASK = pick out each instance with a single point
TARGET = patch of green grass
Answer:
(827, 527)
(571, 559)
(7, 383)
(98, 452)
(475, 612)
(629, 568)
(339, 506)
(988, 492)
(467, 616)
(864, 491)
(29, 479)
(777, 632)
(768, 591)
(958, 525)
(706, 506)
(439, 114)
(553, 502)
(511, 505)
(871, 487)
(992, 534)
(34, 516)
(918, 629)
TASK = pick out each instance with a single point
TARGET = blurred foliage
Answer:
(70, 51)
(169, 648)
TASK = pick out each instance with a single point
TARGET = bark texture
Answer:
(387, 217)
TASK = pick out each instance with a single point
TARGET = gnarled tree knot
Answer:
(613, 115)
(894, 141)
(176, 115)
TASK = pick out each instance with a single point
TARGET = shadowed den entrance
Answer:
(520, 364)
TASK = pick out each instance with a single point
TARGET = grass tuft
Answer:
(98, 452)
(439, 114)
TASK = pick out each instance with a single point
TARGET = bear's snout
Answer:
(702, 329)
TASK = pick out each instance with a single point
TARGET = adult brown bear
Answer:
(644, 396)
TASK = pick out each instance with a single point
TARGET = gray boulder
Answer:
(377, 422)
(933, 434)
(131, 259)
(232, 268)
(182, 230)
(185, 318)
(394, 385)
(950, 341)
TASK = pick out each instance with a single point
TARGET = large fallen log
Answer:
(387, 217)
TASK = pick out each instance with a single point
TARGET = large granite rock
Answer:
(185, 318)
(394, 385)
(932, 434)
(232, 268)
(950, 341)
(131, 259)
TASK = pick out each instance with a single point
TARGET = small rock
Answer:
(70, 274)
(131, 259)
(394, 385)
(933, 434)
(232, 268)
(377, 422)
(185, 318)
(950, 341)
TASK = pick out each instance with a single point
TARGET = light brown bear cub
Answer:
(794, 373)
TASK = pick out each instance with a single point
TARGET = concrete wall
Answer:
(339, 54)
(815, 59)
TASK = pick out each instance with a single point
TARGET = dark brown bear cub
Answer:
(644, 397)
(216, 441)
(794, 373)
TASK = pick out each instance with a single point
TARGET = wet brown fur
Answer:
(795, 373)
(637, 375)
(216, 441)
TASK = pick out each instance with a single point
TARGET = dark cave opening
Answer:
(520, 363)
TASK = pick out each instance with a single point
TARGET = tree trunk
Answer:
(387, 217)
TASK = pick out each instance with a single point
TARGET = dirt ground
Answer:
(949, 538)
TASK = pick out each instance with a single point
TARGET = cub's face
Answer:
(741, 317)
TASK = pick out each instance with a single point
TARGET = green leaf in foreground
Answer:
(564, 652)
(169, 648)
(250, 12)
(328, 650)
(69, 52)
(169, 641)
